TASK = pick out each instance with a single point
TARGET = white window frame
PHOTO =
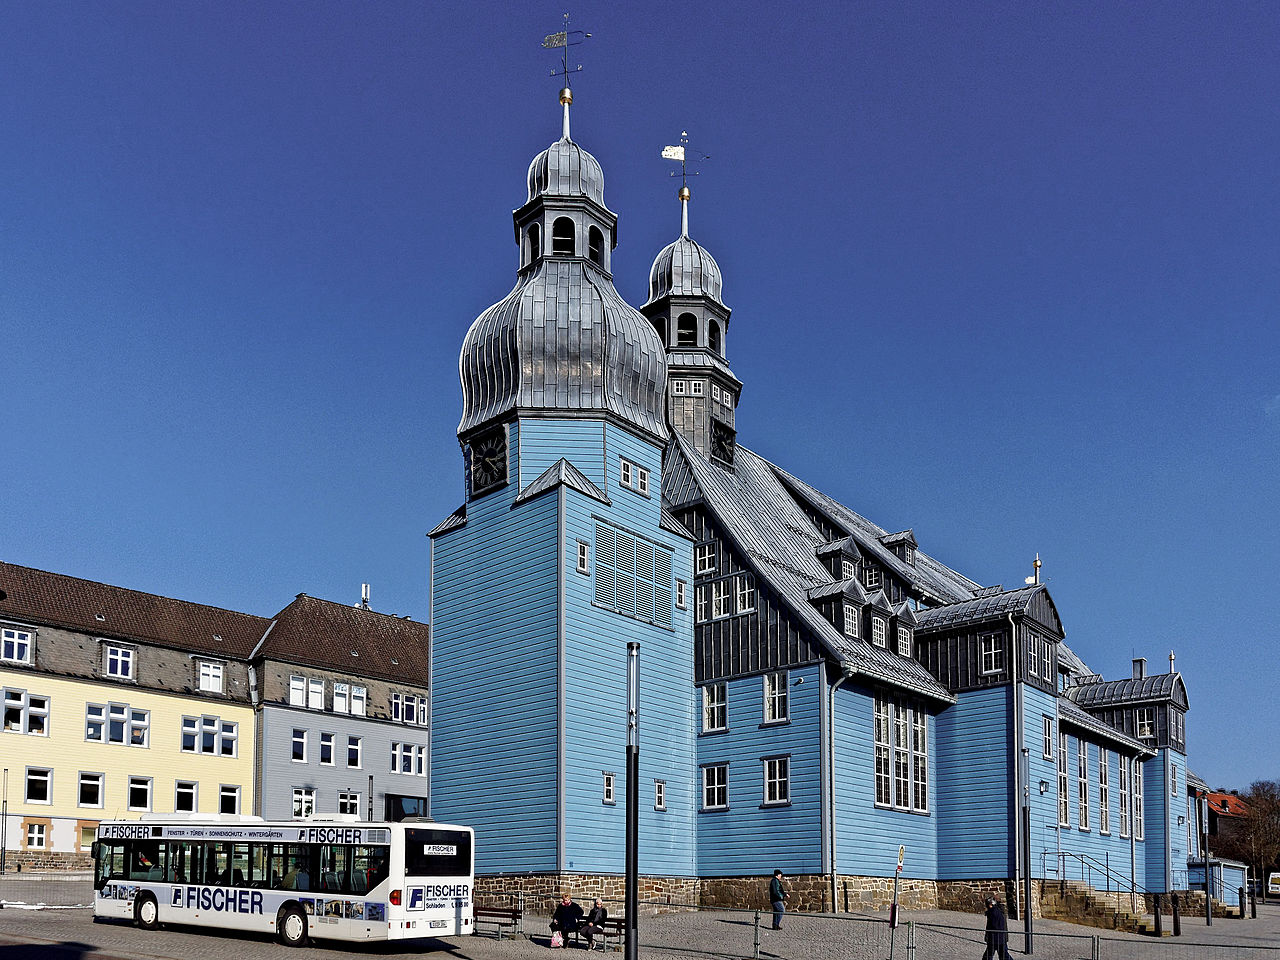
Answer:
(701, 603)
(852, 614)
(294, 741)
(1082, 785)
(715, 707)
(880, 631)
(326, 741)
(745, 585)
(584, 557)
(28, 706)
(848, 569)
(1139, 802)
(315, 693)
(119, 663)
(37, 835)
(679, 388)
(188, 786)
(1048, 737)
(777, 707)
(883, 773)
(1173, 779)
(919, 759)
(660, 795)
(355, 744)
(38, 775)
(704, 558)
(905, 636)
(359, 700)
(1064, 786)
(1126, 813)
(1104, 791)
(624, 473)
(991, 654)
(608, 791)
(715, 392)
(209, 676)
(872, 578)
(697, 388)
(777, 781)
(304, 802)
(341, 697)
(146, 783)
(682, 601)
(297, 691)
(231, 790)
(16, 645)
(721, 598)
(1145, 723)
(99, 780)
(642, 480)
(715, 786)
(348, 799)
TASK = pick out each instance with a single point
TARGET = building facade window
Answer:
(209, 676)
(702, 603)
(298, 750)
(715, 708)
(354, 751)
(633, 576)
(715, 787)
(408, 758)
(776, 708)
(919, 759)
(118, 662)
(1173, 779)
(901, 742)
(746, 590)
(871, 575)
(991, 654)
(634, 477)
(851, 614)
(349, 803)
(25, 713)
(315, 693)
(326, 749)
(682, 601)
(847, 569)
(91, 789)
(228, 798)
(1125, 818)
(15, 645)
(1139, 825)
(660, 795)
(304, 802)
(777, 780)
(904, 640)
(341, 697)
(607, 794)
(359, 701)
(721, 599)
(117, 723)
(679, 387)
(185, 794)
(1146, 723)
(1048, 738)
(297, 691)
(879, 631)
(210, 736)
(39, 785)
(704, 559)
(409, 708)
(36, 836)
(1064, 800)
(583, 558)
(139, 793)
(1082, 784)
(697, 388)
(1104, 791)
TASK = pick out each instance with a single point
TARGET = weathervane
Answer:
(563, 41)
(681, 153)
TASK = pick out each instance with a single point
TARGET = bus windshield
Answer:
(436, 853)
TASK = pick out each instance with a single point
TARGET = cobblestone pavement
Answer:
(939, 935)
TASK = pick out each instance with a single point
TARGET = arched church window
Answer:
(562, 237)
(660, 325)
(686, 330)
(713, 336)
(595, 246)
(535, 242)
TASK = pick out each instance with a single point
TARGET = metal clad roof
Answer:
(452, 522)
(685, 269)
(1068, 712)
(564, 169)
(1068, 659)
(981, 608)
(560, 472)
(1160, 687)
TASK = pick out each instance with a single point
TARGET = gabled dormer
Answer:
(903, 545)
(840, 557)
(904, 628)
(842, 603)
(876, 616)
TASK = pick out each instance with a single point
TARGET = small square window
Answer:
(583, 557)
(229, 799)
(39, 785)
(184, 796)
(15, 645)
(871, 575)
(36, 834)
(349, 803)
(304, 802)
(608, 795)
(682, 602)
(679, 387)
(715, 392)
(704, 558)
(659, 795)
(209, 677)
(715, 787)
(91, 785)
(991, 654)
(119, 662)
(697, 387)
(139, 793)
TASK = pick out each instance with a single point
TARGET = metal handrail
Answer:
(1089, 864)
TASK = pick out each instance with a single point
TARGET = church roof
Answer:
(990, 607)
(1162, 687)
(564, 169)
(776, 537)
(683, 268)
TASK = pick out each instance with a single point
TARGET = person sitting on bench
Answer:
(566, 919)
(594, 925)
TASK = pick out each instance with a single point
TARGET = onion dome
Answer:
(685, 269)
(564, 169)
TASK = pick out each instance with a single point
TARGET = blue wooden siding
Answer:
(750, 838)
(867, 836)
(972, 803)
(494, 680)
(1155, 793)
(543, 442)
(1037, 704)
(1179, 847)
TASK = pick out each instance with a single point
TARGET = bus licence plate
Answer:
(439, 924)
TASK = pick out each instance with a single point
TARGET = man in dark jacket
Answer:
(567, 918)
(997, 931)
(778, 898)
(594, 925)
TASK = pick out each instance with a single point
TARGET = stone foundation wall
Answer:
(47, 861)
(810, 892)
(541, 892)
(856, 894)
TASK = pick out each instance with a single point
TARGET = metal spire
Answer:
(679, 153)
(563, 41)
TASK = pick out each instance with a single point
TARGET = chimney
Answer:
(1171, 659)
(1139, 668)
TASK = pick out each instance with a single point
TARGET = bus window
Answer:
(335, 869)
(299, 870)
(182, 861)
(436, 853)
(368, 868)
(240, 864)
(110, 863)
(144, 860)
(217, 863)
(259, 869)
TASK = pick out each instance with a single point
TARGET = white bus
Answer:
(336, 879)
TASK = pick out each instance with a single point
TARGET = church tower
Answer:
(689, 315)
(560, 555)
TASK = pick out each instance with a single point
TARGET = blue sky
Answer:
(1004, 273)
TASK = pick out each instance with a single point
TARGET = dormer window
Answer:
(879, 631)
(847, 569)
(686, 330)
(15, 645)
(871, 575)
(851, 620)
(595, 246)
(535, 242)
(562, 241)
(909, 554)
(904, 641)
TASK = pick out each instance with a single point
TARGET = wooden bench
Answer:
(501, 917)
(614, 928)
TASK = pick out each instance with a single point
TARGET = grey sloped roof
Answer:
(992, 607)
(902, 536)
(452, 522)
(682, 359)
(1068, 660)
(840, 545)
(837, 588)
(683, 268)
(1107, 693)
(941, 581)
(668, 522)
(1068, 712)
(564, 169)
(562, 472)
(1196, 782)
(777, 539)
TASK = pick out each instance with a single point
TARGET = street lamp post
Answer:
(633, 798)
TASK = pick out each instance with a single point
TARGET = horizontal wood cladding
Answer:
(1126, 719)
(769, 638)
(954, 658)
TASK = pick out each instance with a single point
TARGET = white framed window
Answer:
(884, 752)
(919, 758)
(185, 793)
(660, 795)
(298, 751)
(901, 756)
(15, 645)
(326, 749)
(634, 477)
(697, 387)
(210, 736)
(682, 601)
(1048, 738)
(139, 793)
(315, 693)
(36, 834)
(229, 798)
(702, 603)
(746, 590)
(901, 740)
(1173, 779)
(715, 392)
(704, 558)
(848, 570)
(209, 676)
(1082, 782)
(39, 785)
(991, 654)
(679, 387)
(359, 701)
(904, 640)
(118, 662)
(871, 575)
(583, 558)
(721, 598)
(775, 697)
(1104, 791)
(1033, 654)
(90, 789)
(117, 723)
(297, 691)
(715, 708)
(777, 780)
(879, 629)
(607, 794)
(1064, 798)
(304, 802)
(26, 713)
(397, 710)
(727, 399)
(348, 802)
(1125, 817)
(624, 473)
(715, 787)
(354, 752)
(1139, 815)
(642, 480)
(851, 617)
(341, 697)
(408, 759)
(1146, 723)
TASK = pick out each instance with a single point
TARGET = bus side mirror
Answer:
(95, 850)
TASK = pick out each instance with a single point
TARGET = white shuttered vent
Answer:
(633, 576)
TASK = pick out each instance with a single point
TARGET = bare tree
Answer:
(1259, 833)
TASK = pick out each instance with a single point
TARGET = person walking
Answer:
(997, 931)
(778, 896)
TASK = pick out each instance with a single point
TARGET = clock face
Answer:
(489, 461)
(721, 442)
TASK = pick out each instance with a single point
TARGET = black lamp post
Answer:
(633, 798)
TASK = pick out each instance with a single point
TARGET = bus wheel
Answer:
(291, 926)
(146, 912)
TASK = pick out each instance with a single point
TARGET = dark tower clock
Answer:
(487, 461)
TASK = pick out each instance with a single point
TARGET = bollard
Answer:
(911, 940)
(1096, 952)
(1240, 892)
(757, 943)
(1253, 906)
(1177, 917)
(1159, 915)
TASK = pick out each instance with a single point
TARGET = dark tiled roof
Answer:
(1069, 713)
(321, 633)
(562, 472)
(56, 600)
(452, 522)
(775, 536)
(1107, 693)
(992, 607)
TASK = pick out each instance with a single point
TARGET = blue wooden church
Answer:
(816, 691)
